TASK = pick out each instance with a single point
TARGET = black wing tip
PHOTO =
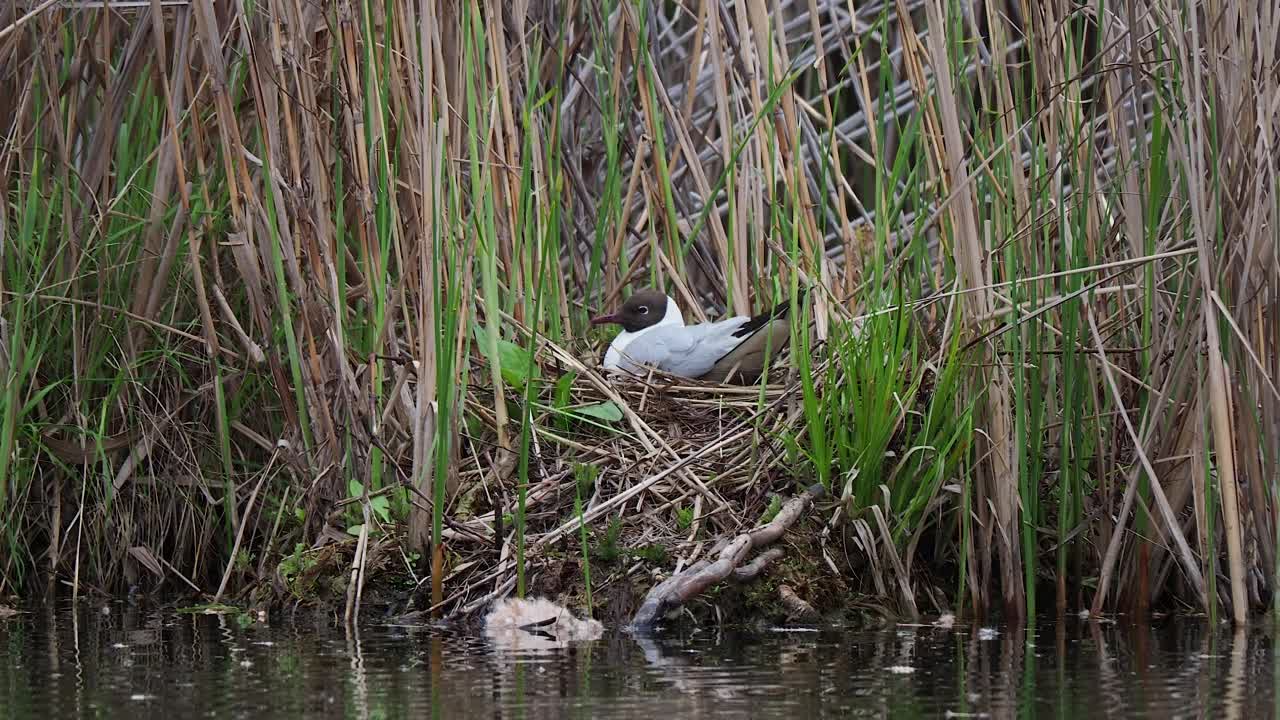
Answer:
(774, 313)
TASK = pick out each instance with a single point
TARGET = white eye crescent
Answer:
(644, 310)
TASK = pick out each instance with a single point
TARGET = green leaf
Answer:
(382, 507)
(513, 360)
(564, 389)
(380, 504)
(563, 386)
(605, 411)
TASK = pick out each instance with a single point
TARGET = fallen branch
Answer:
(796, 607)
(748, 572)
(679, 588)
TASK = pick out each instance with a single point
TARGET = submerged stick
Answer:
(681, 587)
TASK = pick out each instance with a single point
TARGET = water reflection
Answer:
(152, 664)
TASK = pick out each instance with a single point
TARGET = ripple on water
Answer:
(125, 662)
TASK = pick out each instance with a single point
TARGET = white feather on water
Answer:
(536, 624)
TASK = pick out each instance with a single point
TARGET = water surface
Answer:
(117, 661)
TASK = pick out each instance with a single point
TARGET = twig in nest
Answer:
(679, 588)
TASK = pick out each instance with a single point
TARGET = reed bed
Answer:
(285, 281)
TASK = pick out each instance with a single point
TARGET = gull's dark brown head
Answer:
(643, 309)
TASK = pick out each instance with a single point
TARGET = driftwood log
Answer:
(678, 589)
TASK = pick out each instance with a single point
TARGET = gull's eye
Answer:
(643, 310)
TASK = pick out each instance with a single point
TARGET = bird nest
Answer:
(652, 467)
(683, 438)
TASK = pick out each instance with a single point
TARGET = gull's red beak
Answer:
(605, 319)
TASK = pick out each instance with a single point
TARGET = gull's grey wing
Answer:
(758, 340)
(688, 350)
(748, 359)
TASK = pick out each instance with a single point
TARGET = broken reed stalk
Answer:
(675, 591)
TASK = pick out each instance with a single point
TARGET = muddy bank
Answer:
(800, 586)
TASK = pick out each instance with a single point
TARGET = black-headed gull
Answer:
(654, 333)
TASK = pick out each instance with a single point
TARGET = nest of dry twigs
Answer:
(660, 464)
